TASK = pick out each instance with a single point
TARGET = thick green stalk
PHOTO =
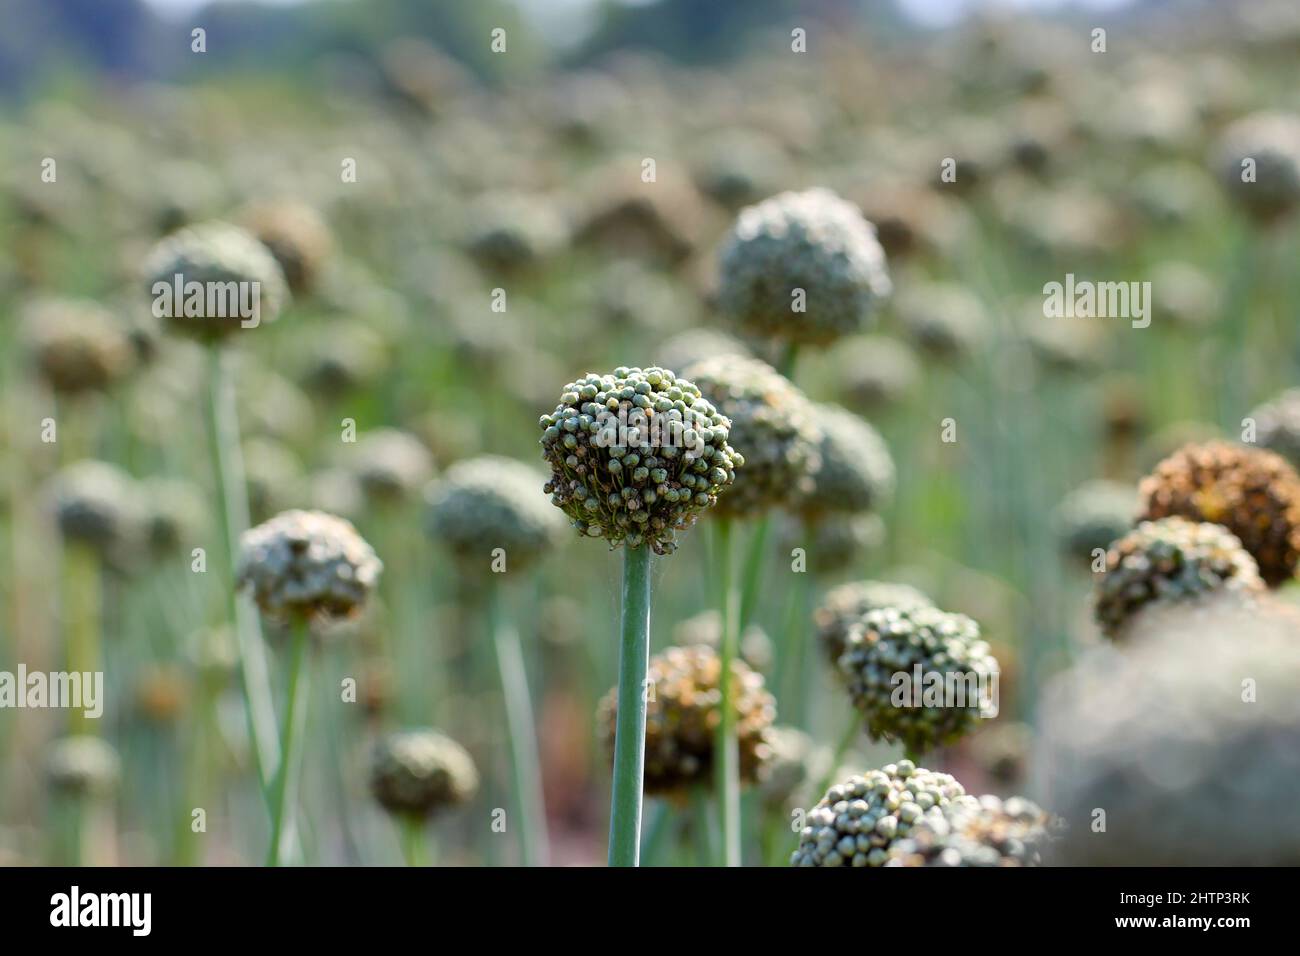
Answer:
(284, 793)
(232, 507)
(727, 766)
(84, 610)
(413, 841)
(629, 735)
(702, 826)
(525, 765)
(755, 560)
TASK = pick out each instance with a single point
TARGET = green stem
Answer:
(629, 735)
(413, 841)
(525, 765)
(84, 611)
(702, 826)
(232, 505)
(284, 795)
(727, 765)
(755, 559)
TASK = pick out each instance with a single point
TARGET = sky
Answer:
(562, 16)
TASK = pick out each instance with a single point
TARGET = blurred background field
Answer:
(479, 173)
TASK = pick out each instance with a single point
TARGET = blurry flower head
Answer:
(837, 541)
(1172, 559)
(942, 320)
(893, 661)
(1253, 493)
(1277, 425)
(857, 821)
(1094, 515)
(1258, 162)
(683, 711)
(307, 565)
(222, 272)
(76, 346)
(984, 832)
(772, 424)
(390, 465)
(686, 348)
(636, 456)
(98, 505)
(802, 267)
(82, 765)
(875, 371)
(490, 503)
(297, 236)
(857, 471)
(415, 773)
(847, 604)
(1186, 741)
(511, 231)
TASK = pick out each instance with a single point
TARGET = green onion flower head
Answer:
(416, 773)
(987, 832)
(802, 267)
(307, 564)
(636, 456)
(1169, 560)
(491, 502)
(847, 604)
(1093, 516)
(919, 675)
(230, 267)
(83, 765)
(773, 425)
(857, 822)
(76, 346)
(856, 473)
(683, 713)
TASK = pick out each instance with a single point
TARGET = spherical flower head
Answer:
(1187, 739)
(857, 821)
(511, 231)
(1277, 425)
(875, 371)
(847, 604)
(1092, 516)
(857, 471)
(391, 465)
(82, 765)
(977, 833)
(1253, 493)
(942, 319)
(491, 502)
(175, 513)
(935, 652)
(307, 565)
(686, 348)
(682, 716)
(415, 773)
(296, 235)
(99, 506)
(803, 267)
(836, 542)
(636, 456)
(77, 347)
(1270, 143)
(221, 267)
(1172, 559)
(773, 425)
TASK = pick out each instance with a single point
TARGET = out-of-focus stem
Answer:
(525, 765)
(284, 795)
(727, 764)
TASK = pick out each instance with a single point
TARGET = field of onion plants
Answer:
(856, 454)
